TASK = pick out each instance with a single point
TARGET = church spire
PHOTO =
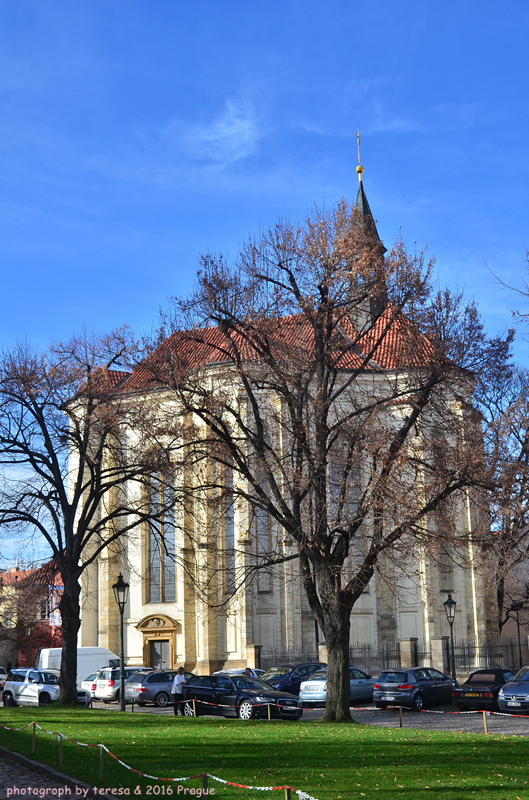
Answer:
(361, 204)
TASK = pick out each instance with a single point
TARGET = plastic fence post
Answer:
(485, 723)
(101, 762)
(33, 738)
(59, 737)
(194, 708)
(268, 712)
(400, 716)
(287, 793)
(132, 709)
(204, 785)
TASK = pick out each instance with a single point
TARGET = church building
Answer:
(268, 620)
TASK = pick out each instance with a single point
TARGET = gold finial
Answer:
(359, 169)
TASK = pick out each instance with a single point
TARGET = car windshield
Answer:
(522, 675)
(276, 672)
(244, 682)
(393, 677)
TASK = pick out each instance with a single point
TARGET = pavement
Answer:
(442, 718)
(20, 780)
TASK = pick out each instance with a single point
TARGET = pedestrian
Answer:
(177, 690)
(248, 672)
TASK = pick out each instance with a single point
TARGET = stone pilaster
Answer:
(408, 652)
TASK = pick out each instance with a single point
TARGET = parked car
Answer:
(89, 684)
(313, 692)
(480, 690)
(415, 688)
(256, 673)
(107, 682)
(237, 696)
(26, 686)
(288, 677)
(514, 696)
(152, 687)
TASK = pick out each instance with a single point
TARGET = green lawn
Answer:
(328, 762)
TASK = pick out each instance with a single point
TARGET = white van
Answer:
(89, 659)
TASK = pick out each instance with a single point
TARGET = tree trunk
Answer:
(69, 607)
(336, 623)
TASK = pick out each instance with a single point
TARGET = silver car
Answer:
(313, 691)
(153, 687)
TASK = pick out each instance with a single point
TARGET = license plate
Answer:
(388, 698)
(513, 703)
(471, 694)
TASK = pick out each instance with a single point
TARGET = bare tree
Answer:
(26, 597)
(326, 390)
(504, 401)
(67, 477)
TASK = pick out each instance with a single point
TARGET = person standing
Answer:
(177, 690)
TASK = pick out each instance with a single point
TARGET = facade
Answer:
(169, 623)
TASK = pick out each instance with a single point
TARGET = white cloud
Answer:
(231, 136)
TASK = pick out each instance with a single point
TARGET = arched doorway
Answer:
(159, 641)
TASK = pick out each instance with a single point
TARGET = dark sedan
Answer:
(288, 678)
(514, 696)
(480, 691)
(237, 696)
(415, 688)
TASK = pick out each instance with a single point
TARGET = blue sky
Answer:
(137, 134)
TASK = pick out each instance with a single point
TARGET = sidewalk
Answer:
(16, 777)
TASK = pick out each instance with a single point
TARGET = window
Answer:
(162, 543)
(229, 533)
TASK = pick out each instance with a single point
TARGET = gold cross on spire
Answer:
(359, 168)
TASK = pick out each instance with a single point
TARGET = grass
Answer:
(329, 762)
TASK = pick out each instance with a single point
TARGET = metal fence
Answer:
(374, 658)
(269, 658)
(471, 654)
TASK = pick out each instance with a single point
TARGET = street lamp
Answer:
(121, 593)
(517, 607)
(450, 608)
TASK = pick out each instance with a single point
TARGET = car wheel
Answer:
(44, 699)
(381, 705)
(245, 710)
(418, 702)
(161, 699)
(188, 710)
(8, 700)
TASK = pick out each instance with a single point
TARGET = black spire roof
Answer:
(362, 206)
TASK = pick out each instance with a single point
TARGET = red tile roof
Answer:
(392, 343)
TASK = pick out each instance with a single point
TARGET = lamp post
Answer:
(121, 593)
(517, 607)
(450, 608)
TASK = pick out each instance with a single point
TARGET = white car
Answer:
(31, 687)
(26, 686)
(107, 682)
(89, 684)
(3, 677)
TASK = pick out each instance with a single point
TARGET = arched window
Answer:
(161, 540)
